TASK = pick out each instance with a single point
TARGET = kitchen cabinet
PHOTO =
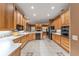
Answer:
(61, 41)
(17, 52)
(2, 16)
(31, 36)
(18, 17)
(65, 43)
(9, 18)
(57, 23)
(15, 19)
(38, 27)
(24, 23)
(56, 38)
(44, 35)
(22, 40)
(66, 18)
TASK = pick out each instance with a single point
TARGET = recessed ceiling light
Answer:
(48, 15)
(32, 7)
(34, 14)
(52, 7)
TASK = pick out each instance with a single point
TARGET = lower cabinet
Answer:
(44, 35)
(17, 52)
(56, 38)
(30, 36)
(65, 43)
(61, 41)
(23, 40)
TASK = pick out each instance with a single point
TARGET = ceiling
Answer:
(41, 12)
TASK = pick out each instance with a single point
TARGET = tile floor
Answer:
(43, 48)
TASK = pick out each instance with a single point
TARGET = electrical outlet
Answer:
(74, 37)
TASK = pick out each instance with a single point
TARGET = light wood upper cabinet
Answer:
(38, 26)
(66, 18)
(2, 15)
(6, 16)
(57, 23)
(18, 17)
(15, 19)
(24, 23)
(9, 16)
(56, 38)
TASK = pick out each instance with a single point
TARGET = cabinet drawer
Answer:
(65, 47)
(65, 43)
(64, 40)
(56, 38)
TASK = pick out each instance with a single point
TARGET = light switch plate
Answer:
(74, 37)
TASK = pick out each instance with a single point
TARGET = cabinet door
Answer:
(56, 38)
(15, 19)
(66, 18)
(59, 23)
(10, 16)
(2, 15)
(18, 17)
(24, 23)
(65, 43)
(33, 36)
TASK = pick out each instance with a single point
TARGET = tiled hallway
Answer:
(43, 48)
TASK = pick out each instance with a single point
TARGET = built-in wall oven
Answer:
(65, 31)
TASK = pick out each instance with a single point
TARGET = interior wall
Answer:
(74, 13)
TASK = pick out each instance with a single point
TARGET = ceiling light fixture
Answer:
(52, 8)
(32, 7)
(34, 14)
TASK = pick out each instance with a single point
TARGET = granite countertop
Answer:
(8, 46)
(57, 33)
(13, 48)
(61, 35)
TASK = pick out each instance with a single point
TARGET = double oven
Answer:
(65, 31)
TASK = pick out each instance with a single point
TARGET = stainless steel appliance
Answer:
(38, 36)
(50, 30)
(65, 31)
